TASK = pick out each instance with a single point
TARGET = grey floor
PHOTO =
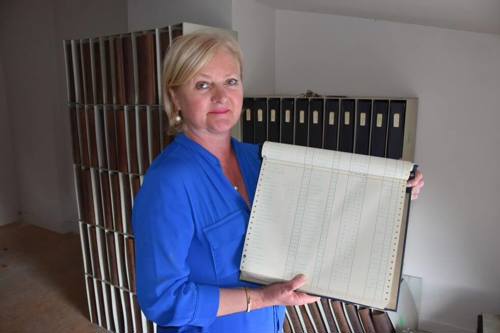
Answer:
(41, 282)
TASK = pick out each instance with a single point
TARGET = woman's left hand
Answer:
(416, 185)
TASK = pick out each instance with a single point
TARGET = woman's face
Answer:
(211, 102)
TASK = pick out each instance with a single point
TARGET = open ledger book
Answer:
(339, 218)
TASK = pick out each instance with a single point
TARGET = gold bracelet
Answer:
(249, 300)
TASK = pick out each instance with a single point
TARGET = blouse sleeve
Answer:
(163, 228)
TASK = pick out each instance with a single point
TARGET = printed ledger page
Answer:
(335, 217)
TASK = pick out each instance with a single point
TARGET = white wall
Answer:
(454, 226)
(32, 55)
(255, 24)
(146, 14)
(9, 195)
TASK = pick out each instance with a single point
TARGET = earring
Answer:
(178, 118)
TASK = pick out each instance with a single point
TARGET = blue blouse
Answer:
(189, 225)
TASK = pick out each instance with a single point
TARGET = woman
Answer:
(191, 214)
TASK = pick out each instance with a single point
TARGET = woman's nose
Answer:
(219, 94)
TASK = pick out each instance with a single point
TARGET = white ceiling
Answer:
(469, 15)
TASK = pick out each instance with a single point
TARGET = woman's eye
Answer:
(232, 82)
(201, 85)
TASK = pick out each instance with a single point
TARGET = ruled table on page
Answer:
(332, 216)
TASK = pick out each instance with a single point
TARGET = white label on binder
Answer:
(379, 119)
(259, 115)
(347, 118)
(301, 116)
(396, 120)
(248, 113)
(362, 119)
(315, 117)
(287, 116)
(331, 118)
(273, 115)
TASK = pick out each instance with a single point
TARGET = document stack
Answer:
(376, 126)
(118, 127)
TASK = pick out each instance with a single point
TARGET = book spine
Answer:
(127, 311)
(100, 132)
(137, 313)
(95, 46)
(146, 66)
(91, 299)
(77, 71)
(130, 262)
(84, 242)
(101, 315)
(117, 309)
(116, 201)
(108, 308)
(70, 77)
(128, 70)
(156, 129)
(106, 200)
(112, 259)
(143, 151)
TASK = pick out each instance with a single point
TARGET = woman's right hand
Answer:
(284, 293)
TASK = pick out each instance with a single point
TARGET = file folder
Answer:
(273, 121)
(395, 137)
(331, 123)
(379, 127)
(287, 120)
(347, 119)
(363, 116)
(316, 106)
(301, 121)
(248, 124)
(260, 119)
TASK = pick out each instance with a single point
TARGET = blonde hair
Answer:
(185, 58)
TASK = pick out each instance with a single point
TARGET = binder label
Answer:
(331, 118)
(315, 117)
(259, 115)
(347, 118)
(362, 119)
(301, 116)
(273, 115)
(248, 113)
(396, 120)
(287, 116)
(379, 119)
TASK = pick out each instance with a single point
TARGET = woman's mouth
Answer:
(219, 111)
